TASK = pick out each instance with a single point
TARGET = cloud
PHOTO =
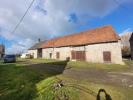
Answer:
(7, 35)
(20, 47)
(49, 18)
(126, 31)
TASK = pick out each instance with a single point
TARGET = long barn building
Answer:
(100, 45)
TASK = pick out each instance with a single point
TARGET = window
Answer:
(50, 55)
(107, 56)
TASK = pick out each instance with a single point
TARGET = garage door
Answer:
(78, 55)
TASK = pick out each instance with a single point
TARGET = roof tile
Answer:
(98, 35)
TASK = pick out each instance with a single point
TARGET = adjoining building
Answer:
(2, 51)
(36, 50)
(131, 45)
(100, 45)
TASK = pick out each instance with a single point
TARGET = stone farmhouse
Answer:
(100, 45)
(131, 45)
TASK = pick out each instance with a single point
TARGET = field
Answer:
(41, 79)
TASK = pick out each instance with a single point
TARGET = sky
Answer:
(48, 19)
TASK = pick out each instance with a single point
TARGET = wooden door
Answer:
(39, 53)
(107, 56)
(78, 55)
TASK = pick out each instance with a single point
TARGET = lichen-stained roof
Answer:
(37, 45)
(94, 36)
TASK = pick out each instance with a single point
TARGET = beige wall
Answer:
(64, 52)
(33, 53)
(94, 53)
(46, 52)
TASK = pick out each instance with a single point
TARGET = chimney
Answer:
(39, 40)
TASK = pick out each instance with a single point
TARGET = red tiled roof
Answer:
(98, 35)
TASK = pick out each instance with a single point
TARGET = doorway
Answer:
(107, 56)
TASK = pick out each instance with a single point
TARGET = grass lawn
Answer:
(82, 64)
(20, 82)
(17, 82)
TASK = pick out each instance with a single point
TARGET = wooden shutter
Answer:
(80, 55)
(57, 55)
(107, 56)
(73, 54)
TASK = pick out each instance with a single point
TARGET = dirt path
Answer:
(101, 76)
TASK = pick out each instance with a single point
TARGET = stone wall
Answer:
(33, 53)
(64, 52)
(94, 52)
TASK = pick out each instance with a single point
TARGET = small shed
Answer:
(131, 45)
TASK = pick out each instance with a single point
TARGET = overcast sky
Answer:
(51, 18)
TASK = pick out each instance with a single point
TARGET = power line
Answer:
(17, 25)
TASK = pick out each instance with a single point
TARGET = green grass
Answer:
(83, 64)
(116, 92)
(46, 91)
(43, 60)
(19, 82)
(89, 90)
